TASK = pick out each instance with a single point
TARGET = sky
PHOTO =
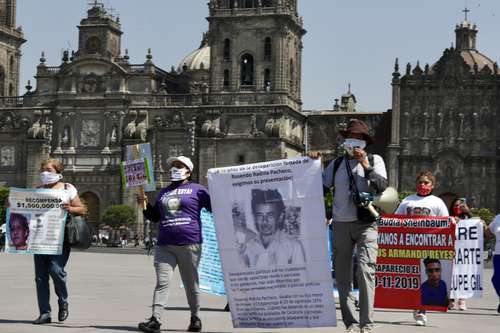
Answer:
(347, 41)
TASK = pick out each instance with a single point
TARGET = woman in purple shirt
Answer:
(177, 209)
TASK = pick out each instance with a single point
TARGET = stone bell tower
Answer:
(11, 39)
(100, 33)
(256, 46)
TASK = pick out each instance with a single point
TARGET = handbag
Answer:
(77, 233)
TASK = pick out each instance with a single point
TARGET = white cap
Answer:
(183, 159)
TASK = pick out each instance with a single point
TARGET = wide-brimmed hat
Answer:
(357, 126)
(183, 159)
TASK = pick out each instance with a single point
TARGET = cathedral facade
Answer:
(445, 119)
(234, 100)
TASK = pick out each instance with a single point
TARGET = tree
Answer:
(484, 213)
(404, 194)
(118, 215)
(4, 194)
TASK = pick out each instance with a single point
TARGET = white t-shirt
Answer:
(422, 206)
(344, 209)
(70, 193)
(495, 229)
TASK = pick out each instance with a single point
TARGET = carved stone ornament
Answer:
(90, 132)
(7, 156)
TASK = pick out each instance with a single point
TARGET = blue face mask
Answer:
(177, 174)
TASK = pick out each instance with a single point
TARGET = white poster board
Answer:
(468, 266)
(270, 223)
(35, 221)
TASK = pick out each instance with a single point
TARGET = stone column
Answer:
(394, 146)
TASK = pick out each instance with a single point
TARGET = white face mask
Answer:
(48, 178)
(177, 174)
(350, 144)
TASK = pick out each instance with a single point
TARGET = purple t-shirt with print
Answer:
(179, 207)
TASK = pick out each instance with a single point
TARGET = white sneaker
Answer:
(351, 329)
(365, 329)
(420, 319)
(461, 305)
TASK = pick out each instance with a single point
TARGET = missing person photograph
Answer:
(434, 287)
(275, 240)
(19, 229)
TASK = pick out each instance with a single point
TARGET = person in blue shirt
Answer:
(434, 291)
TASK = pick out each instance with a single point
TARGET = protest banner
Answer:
(135, 173)
(35, 221)
(210, 270)
(143, 152)
(415, 260)
(467, 278)
(276, 269)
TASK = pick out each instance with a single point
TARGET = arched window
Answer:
(66, 136)
(226, 78)
(227, 50)
(267, 49)
(247, 70)
(11, 89)
(267, 79)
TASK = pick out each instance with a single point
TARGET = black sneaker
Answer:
(195, 325)
(150, 326)
(44, 318)
(498, 309)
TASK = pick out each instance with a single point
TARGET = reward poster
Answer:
(270, 223)
(35, 221)
(415, 260)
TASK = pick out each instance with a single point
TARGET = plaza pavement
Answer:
(112, 292)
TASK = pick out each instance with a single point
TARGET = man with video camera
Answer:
(355, 178)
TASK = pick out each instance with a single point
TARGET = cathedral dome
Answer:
(196, 60)
(465, 48)
(473, 58)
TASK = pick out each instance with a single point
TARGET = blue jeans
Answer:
(496, 273)
(53, 266)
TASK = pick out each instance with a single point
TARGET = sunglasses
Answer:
(432, 270)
